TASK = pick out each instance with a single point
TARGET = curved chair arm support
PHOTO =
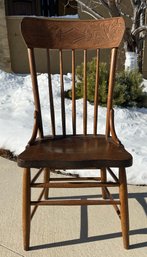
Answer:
(112, 128)
(35, 129)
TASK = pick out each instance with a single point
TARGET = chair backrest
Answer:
(73, 35)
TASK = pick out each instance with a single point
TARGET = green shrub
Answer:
(128, 89)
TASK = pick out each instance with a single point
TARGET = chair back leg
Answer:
(123, 194)
(103, 179)
(46, 180)
(26, 208)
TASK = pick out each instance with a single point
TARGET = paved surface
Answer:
(69, 231)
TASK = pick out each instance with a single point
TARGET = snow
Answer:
(131, 62)
(16, 120)
(68, 16)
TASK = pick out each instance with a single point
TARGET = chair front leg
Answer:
(26, 208)
(123, 194)
(46, 180)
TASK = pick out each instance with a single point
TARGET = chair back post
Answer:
(35, 90)
(110, 89)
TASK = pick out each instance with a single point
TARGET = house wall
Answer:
(5, 63)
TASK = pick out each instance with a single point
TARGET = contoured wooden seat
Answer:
(84, 150)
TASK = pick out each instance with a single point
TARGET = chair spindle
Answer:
(85, 94)
(62, 93)
(96, 93)
(73, 94)
(52, 112)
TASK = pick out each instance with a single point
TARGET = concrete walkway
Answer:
(69, 231)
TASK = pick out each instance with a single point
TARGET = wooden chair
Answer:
(74, 151)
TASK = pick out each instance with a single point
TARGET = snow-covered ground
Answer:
(16, 120)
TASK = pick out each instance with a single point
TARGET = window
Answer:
(41, 7)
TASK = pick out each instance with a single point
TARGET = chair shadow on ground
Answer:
(139, 197)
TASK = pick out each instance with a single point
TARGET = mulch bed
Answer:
(8, 154)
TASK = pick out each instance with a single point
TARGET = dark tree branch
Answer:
(113, 9)
(139, 29)
(89, 10)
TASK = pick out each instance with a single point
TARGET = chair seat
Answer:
(73, 152)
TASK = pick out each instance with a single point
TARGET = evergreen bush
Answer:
(128, 89)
